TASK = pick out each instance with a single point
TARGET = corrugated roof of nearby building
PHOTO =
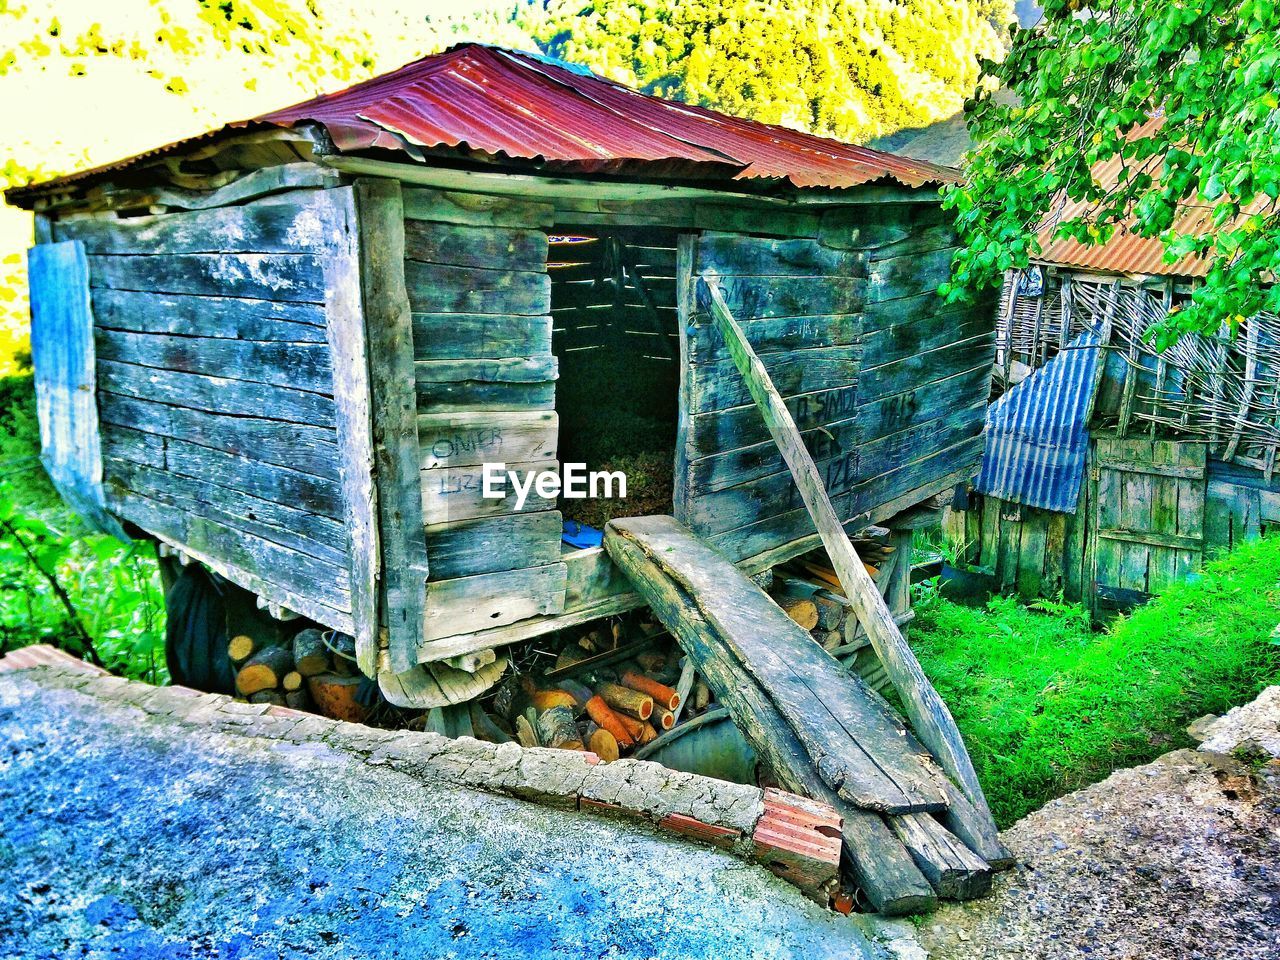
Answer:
(503, 104)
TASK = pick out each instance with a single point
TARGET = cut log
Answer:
(929, 716)
(335, 697)
(297, 700)
(600, 712)
(651, 662)
(662, 694)
(557, 729)
(485, 727)
(310, 655)
(580, 692)
(240, 648)
(273, 697)
(626, 700)
(803, 611)
(662, 719)
(701, 696)
(263, 670)
(955, 871)
(603, 744)
(291, 681)
(548, 699)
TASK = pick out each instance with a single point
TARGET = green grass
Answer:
(1046, 705)
(113, 590)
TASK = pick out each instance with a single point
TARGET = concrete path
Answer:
(127, 835)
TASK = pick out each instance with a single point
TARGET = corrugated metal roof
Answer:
(1126, 252)
(1037, 437)
(508, 104)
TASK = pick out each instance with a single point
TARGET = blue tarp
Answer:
(1037, 435)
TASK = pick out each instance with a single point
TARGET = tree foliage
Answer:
(1085, 83)
(851, 69)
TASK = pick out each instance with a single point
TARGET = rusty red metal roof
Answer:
(1126, 251)
(501, 104)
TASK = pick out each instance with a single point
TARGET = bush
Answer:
(1046, 705)
(60, 583)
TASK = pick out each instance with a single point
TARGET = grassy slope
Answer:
(115, 589)
(1048, 706)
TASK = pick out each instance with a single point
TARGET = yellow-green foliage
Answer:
(854, 70)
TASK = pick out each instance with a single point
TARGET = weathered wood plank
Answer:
(781, 334)
(470, 246)
(956, 872)
(493, 544)
(323, 583)
(256, 478)
(301, 447)
(736, 255)
(909, 275)
(881, 865)
(396, 454)
(353, 409)
(715, 386)
(468, 439)
(442, 289)
(263, 276)
(296, 223)
(516, 369)
(854, 742)
(950, 327)
(480, 209)
(301, 366)
(907, 374)
(241, 398)
(468, 604)
(900, 229)
(467, 336)
(928, 714)
(62, 350)
(309, 533)
(206, 316)
(755, 298)
(454, 493)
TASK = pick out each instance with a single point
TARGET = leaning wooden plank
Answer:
(716, 386)
(492, 544)
(783, 334)
(854, 742)
(298, 223)
(883, 868)
(299, 366)
(62, 350)
(389, 335)
(952, 868)
(197, 391)
(247, 475)
(491, 600)
(353, 408)
(928, 714)
(468, 439)
(222, 317)
(264, 276)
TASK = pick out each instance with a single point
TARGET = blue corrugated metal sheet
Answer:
(1037, 437)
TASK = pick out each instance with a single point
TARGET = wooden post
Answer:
(928, 714)
(396, 455)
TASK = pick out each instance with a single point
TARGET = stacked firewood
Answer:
(809, 591)
(615, 690)
(310, 671)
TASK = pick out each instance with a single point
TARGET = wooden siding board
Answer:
(262, 276)
(230, 318)
(63, 355)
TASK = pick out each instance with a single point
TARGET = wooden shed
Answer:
(289, 348)
(1113, 469)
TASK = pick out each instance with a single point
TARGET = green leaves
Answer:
(1186, 93)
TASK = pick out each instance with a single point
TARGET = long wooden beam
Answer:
(928, 714)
